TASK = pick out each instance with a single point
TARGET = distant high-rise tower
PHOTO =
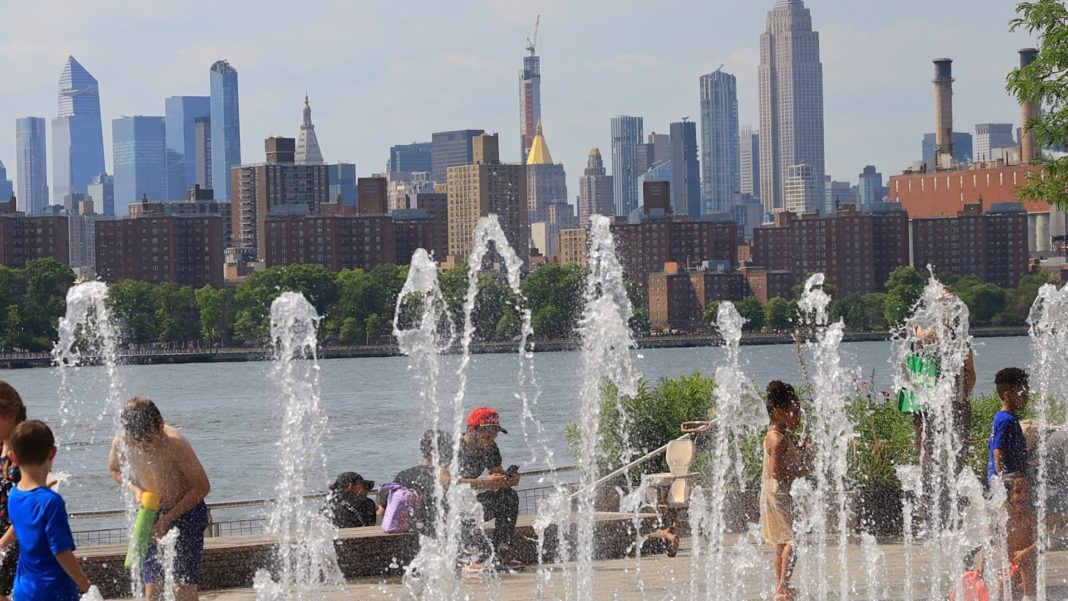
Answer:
(990, 137)
(791, 102)
(7, 190)
(626, 138)
(410, 158)
(31, 165)
(102, 192)
(308, 152)
(685, 173)
(870, 187)
(529, 95)
(138, 154)
(202, 152)
(225, 127)
(77, 136)
(749, 161)
(451, 148)
(720, 166)
(181, 114)
(546, 180)
(595, 190)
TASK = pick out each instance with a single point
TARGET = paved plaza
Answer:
(658, 577)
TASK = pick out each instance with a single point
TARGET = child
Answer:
(782, 465)
(12, 413)
(47, 568)
(1008, 449)
(349, 503)
(161, 461)
(1022, 533)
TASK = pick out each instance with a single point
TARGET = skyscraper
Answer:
(450, 148)
(30, 165)
(139, 157)
(993, 136)
(870, 188)
(308, 152)
(720, 162)
(529, 97)
(410, 158)
(77, 136)
(7, 190)
(626, 137)
(595, 189)
(802, 192)
(962, 148)
(546, 180)
(181, 114)
(791, 102)
(202, 152)
(685, 173)
(749, 161)
(102, 192)
(225, 127)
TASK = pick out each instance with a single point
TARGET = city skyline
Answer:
(876, 74)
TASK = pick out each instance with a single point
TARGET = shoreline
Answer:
(241, 355)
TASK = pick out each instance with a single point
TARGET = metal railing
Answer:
(245, 518)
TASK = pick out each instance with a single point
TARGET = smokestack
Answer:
(1028, 111)
(943, 81)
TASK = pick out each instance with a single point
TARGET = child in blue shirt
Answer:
(1008, 450)
(47, 568)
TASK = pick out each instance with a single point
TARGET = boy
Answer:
(500, 502)
(1008, 449)
(47, 567)
(161, 461)
(1021, 533)
(421, 478)
(783, 463)
(349, 503)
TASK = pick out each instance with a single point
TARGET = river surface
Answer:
(229, 411)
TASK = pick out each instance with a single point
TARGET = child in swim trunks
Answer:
(783, 463)
(161, 461)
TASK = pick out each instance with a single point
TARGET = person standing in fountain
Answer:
(499, 500)
(12, 413)
(783, 463)
(1022, 534)
(161, 461)
(1008, 449)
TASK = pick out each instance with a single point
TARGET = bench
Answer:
(232, 561)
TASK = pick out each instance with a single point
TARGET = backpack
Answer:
(399, 508)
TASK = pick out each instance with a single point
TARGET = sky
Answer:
(384, 73)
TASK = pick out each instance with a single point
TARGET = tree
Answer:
(903, 289)
(559, 288)
(376, 327)
(780, 314)
(710, 316)
(799, 288)
(177, 313)
(639, 319)
(216, 309)
(10, 281)
(44, 302)
(254, 296)
(752, 312)
(1043, 84)
(134, 304)
(984, 300)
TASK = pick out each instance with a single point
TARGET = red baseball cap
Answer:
(484, 417)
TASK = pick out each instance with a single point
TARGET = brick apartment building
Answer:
(990, 245)
(645, 247)
(678, 296)
(336, 238)
(857, 251)
(24, 238)
(154, 246)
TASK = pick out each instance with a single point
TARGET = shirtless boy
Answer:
(161, 461)
(1022, 538)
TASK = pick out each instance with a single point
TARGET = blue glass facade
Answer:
(139, 155)
(6, 188)
(77, 135)
(342, 178)
(31, 165)
(225, 127)
(181, 113)
(626, 136)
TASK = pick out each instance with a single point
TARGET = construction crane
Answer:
(532, 41)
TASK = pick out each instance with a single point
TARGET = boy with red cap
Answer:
(500, 502)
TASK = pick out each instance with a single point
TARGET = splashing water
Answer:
(87, 335)
(168, 554)
(829, 432)
(306, 558)
(1049, 339)
(739, 412)
(937, 333)
(606, 358)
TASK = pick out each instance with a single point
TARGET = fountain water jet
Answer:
(306, 559)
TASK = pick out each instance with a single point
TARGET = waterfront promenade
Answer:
(659, 577)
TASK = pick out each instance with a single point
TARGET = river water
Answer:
(229, 411)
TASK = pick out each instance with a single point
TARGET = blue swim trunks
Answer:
(188, 549)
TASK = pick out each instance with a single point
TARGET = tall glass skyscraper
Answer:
(685, 176)
(720, 164)
(31, 165)
(181, 113)
(791, 107)
(225, 128)
(139, 155)
(6, 188)
(77, 136)
(626, 137)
